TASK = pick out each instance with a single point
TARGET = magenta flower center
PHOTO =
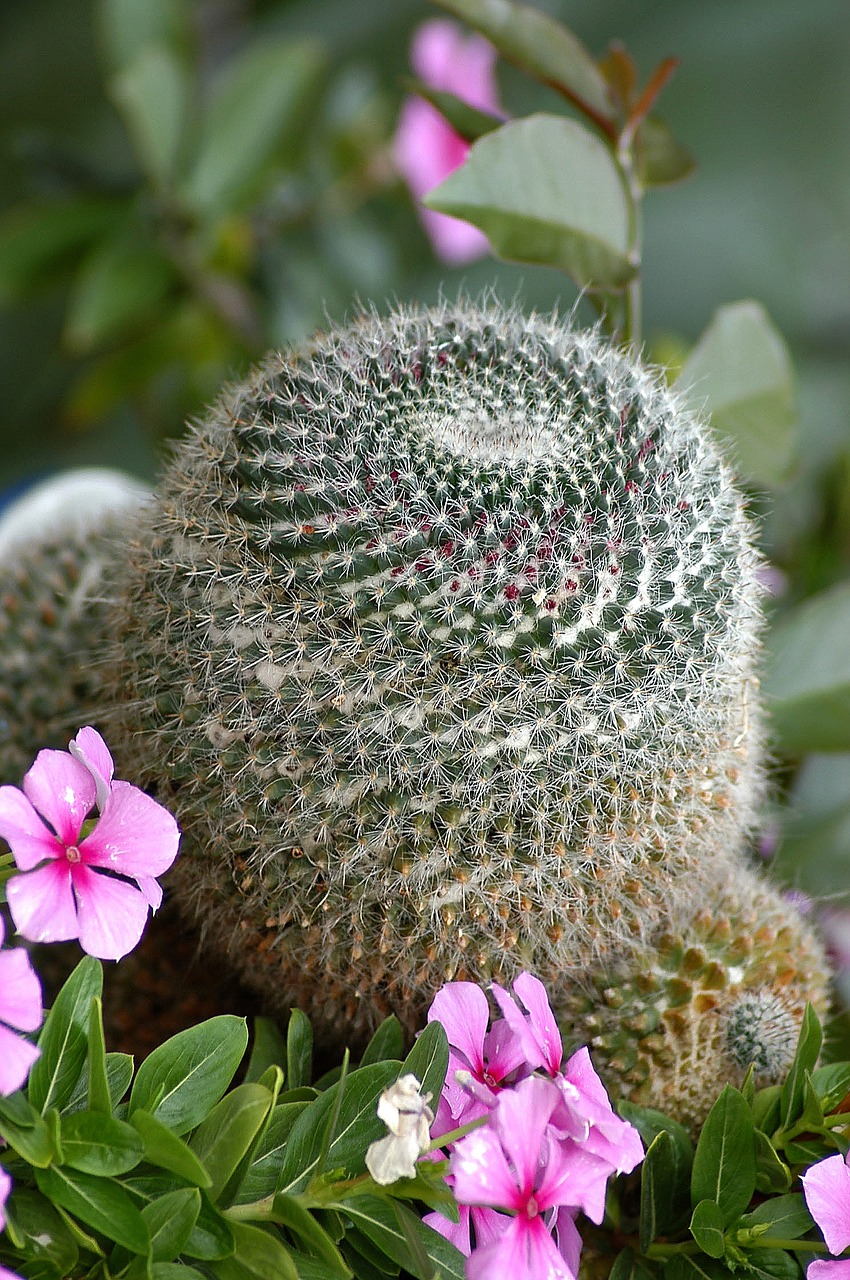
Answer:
(73, 854)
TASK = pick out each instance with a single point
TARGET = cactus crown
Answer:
(442, 633)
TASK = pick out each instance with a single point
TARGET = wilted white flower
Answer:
(405, 1112)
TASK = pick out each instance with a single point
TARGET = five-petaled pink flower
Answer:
(486, 1057)
(20, 1009)
(94, 884)
(427, 149)
(826, 1187)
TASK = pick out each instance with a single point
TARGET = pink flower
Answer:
(20, 1007)
(96, 885)
(5, 1188)
(515, 1164)
(426, 147)
(488, 1057)
(487, 1224)
(826, 1187)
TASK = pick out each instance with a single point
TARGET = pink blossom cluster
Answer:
(550, 1142)
(826, 1187)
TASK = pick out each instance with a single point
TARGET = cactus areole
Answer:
(440, 641)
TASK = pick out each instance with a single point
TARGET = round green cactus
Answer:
(440, 638)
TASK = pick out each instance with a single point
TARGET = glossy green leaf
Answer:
(262, 1176)
(539, 45)
(170, 1221)
(119, 1074)
(152, 94)
(117, 288)
(708, 1228)
(772, 1264)
(259, 1255)
(38, 240)
(772, 1173)
(163, 1148)
(64, 1038)
(832, 1084)
(97, 1086)
(467, 121)
(784, 1217)
(544, 189)
(49, 1246)
(629, 1266)
(765, 1107)
(428, 1060)
(24, 1129)
(175, 1271)
(184, 1077)
(299, 1051)
(658, 1189)
(725, 1159)
(661, 159)
(99, 1203)
(268, 1049)
(256, 113)
(807, 676)
(291, 1214)
(211, 1237)
(792, 1098)
(378, 1220)
(127, 27)
(695, 1267)
(387, 1042)
(739, 377)
(225, 1135)
(99, 1144)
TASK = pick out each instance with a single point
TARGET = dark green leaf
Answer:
(629, 1266)
(357, 1125)
(99, 1203)
(739, 376)
(377, 1219)
(812, 1110)
(291, 1214)
(792, 1098)
(725, 1159)
(126, 27)
(544, 189)
(211, 1237)
(832, 1084)
(786, 1218)
(367, 1260)
(772, 1264)
(661, 159)
(119, 286)
(223, 1138)
(38, 240)
(765, 1107)
(45, 1239)
(97, 1089)
(259, 1255)
(708, 1228)
(257, 110)
(164, 1149)
(151, 93)
(310, 1268)
(387, 1042)
(539, 45)
(184, 1077)
(170, 1221)
(268, 1049)
(119, 1073)
(99, 1144)
(428, 1060)
(262, 1177)
(695, 1267)
(31, 1139)
(299, 1050)
(175, 1271)
(660, 1189)
(772, 1173)
(64, 1038)
(807, 680)
(467, 121)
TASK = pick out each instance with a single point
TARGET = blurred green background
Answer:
(185, 183)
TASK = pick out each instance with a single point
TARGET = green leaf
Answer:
(367, 1260)
(151, 93)
(223, 1138)
(262, 1176)
(49, 1246)
(99, 1203)
(428, 1060)
(544, 189)
(809, 1042)
(377, 1219)
(259, 1256)
(119, 1073)
(467, 121)
(832, 1084)
(357, 1125)
(807, 680)
(98, 1144)
(164, 1149)
(695, 1267)
(38, 240)
(64, 1038)
(126, 27)
(786, 1218)
(170, 1221)
(25, 1131)
(772, 1264)
(539, 45)
(99, 1097)
(708, 1228)
(772, 1173)
(299, 1050)
(184, 1077)
(661, 1186)
(268, 1049)
(212, 1236)
(739, 376)
(258, 110)
(387, 1042)
(725, 1159)
(175, 1271)
(765, 1107)
(291, 1214)
(661, 159)
(629, 1266)
(118, 287)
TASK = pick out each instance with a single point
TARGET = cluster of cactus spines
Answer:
(440, 638)
(721, 986)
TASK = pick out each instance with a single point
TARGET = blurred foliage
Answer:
(184, 183)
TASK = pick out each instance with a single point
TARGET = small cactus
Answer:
(441, 639)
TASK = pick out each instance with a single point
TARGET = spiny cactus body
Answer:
(440, 640)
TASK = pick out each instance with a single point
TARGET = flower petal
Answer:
(151, 891)
(463, 1010)
(532, 993)
(20, 991)
(522, 1115)
(92, 752)
(481, 1173)
(112, 913)
(62, 790)
(828, 1269)
(42, 904)
(24, 832)
(525, 1251)
(134, 835)
(457, 1233)
(826, 1187)
(16, 1058)
(5, 1188)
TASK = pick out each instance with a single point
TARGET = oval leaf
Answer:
(725, 1159)
(98, 1144)
(707, 1228)
(170, 1220)
(98, 1202)
(151, 94)
(182, 1079)
(226, 1134)
(739, 376)
(807, 680)
(545, 189)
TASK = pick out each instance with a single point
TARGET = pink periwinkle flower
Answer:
(96, 885)
(488, 1058)
(5, 1188)
(20, 1010)
(826, 1188)
(426, 147)
(516, 1164)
